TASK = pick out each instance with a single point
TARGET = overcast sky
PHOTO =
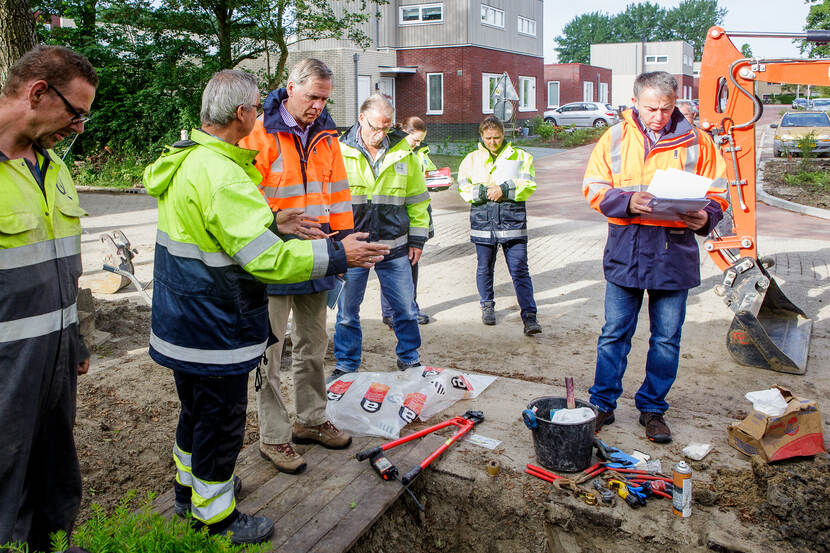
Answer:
(741, 15)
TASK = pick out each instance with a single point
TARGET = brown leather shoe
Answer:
(326, 434)
(656, 428)
(283, 456)
(603, 418)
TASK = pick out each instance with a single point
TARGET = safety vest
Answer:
(213, 247)
(40, 262)
(311, 177)
(650, 253)
(512, 169)
(391, 207)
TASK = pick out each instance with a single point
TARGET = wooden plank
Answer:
(307, 483)
(363, 489)
(315, 506)
(372, 504)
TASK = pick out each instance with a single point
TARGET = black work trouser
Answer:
(211, 427)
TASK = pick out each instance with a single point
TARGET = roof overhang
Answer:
(392, 71)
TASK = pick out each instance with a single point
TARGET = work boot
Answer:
(335, 374)
(248, 529)
(388, 322)
(403, 365)
(283, 456)
(603, 418)
(182, 510)
(656, 428)
(423, 318)
(488, 313)
(326, 434)
(532, 326)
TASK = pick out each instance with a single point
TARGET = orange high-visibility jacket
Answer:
(651, 253)
(312, 178)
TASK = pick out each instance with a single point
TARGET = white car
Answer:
(582, 114)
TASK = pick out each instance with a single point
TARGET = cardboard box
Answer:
(796, 433)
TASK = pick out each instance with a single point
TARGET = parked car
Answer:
(822, 104)
(800, 103)
(795, 125)
(583, 114)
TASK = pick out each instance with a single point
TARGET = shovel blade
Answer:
(777, 338)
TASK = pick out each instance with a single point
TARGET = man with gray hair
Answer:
(389, 201)
(688, 110)
(217, 242)
(646, 252)
(302, 168)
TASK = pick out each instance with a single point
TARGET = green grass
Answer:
(818, 181)
(441, 160)
(135, 528)
(114, 172)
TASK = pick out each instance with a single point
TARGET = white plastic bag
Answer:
(381, 403)
(572, 416)
(769, 402)
(696, 451)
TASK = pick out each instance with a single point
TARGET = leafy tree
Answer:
(691, 19)
(746, 50)
(641, 22)
(817, 18)
(574, 45)
(17, 33)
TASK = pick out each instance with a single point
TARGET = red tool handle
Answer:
(541, 476)
(464, 427)
(545, 472)
(569, 392)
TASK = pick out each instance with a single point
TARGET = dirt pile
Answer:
(789, 496)
(807, 192)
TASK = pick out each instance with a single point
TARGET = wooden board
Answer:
(327, 507)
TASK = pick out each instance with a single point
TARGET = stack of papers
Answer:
(676, 192)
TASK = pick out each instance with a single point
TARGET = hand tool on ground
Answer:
(643, 473)
(623, 491)
(591, 472)
(539, 470)
(613, 456)
(465, 423)
(541, 476)
(605, 494)
(388, 471)
(653, 487)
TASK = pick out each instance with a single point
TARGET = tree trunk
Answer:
(17, 33)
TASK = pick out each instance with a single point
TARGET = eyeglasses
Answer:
(78, 117)
(374, 129)
(257, 107)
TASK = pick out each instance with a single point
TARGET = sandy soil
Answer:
(806, 194)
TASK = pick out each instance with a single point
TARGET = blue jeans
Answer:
(666, 313)
(515, 254)
(386, 309)
(395, 277)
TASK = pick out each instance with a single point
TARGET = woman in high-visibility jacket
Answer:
(496, 179)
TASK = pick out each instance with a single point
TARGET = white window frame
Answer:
(529, 23)
(431, 111)
(527, 103)
(586, 87)
(420, 20)
(558, 93)
(655, 58)
(603, 93)
(485, 14)
(485, 91)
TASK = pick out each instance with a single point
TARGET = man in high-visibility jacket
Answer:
(497, 179)
(389, 201)
(302, 168)
(645, 252)
(214, 245)
(46, 97)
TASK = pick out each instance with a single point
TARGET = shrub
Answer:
(536, 124)
(545, 131)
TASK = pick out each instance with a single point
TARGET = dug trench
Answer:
(127, 412)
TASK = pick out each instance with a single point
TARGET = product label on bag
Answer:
(373, 399)
(337, 389)
(412, 406)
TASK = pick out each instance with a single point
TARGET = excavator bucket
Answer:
(768, 330)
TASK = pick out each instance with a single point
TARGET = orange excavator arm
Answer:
(768, 330)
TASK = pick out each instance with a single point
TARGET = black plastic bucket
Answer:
(562, 447)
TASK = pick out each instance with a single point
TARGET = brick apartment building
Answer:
(438, 60)
(576, 82)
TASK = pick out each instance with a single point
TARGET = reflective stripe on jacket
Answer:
(311, 178)
(213, 247)
(391, 207)
(504, 220)
(650, 253)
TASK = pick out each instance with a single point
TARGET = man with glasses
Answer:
(389, 201)
(302, 169)
(46, 98)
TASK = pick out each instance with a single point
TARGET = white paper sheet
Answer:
(676, 184)
(668, 209)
